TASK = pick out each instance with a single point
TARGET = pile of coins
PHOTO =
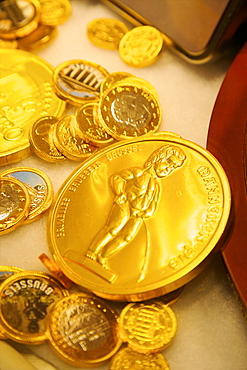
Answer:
(139, 47)
(109, 107)
(25, 194)
(31, 24)
(82, 329)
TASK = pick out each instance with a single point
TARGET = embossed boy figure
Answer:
(137, 195)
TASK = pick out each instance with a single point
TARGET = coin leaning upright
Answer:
(162, 204)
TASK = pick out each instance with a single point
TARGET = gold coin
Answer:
(77, 81)
(141, 46)
(25, 301)
(55, 12)
(162, 203)
(39, 38)
(113, 78)
(42, 139)
(39, 187)
(26, 95)
(14, 204)
(126, 359)
(82, 330)
(147, 328)
(68, 141)
(129, 110)
(19, 18)
(89, 127)
(106, 32)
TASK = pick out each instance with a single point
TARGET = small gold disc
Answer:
(147, 328)
(128, 359)
(42, 139)
(128, 110)
(89, 127)
(82, 330)
(39, 187)
(141, 46)
(25, 301)
(69, 143)
(55, 12)
(77, 81)
(106, 32)
(38, 39)
(14, 204)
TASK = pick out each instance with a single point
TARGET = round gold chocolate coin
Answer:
(26, 95)
(55, 12)
(14, 204)
(25, 301)
(69, 143)
(39, 187)
(162, 203)
(128, 110)
(147, 327)
(141, 46)
(128, 359)
(106, 32)
(77, 81)
(83, 330)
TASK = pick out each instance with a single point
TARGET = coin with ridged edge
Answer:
(83, 330)
(25, 301)
(166, 203)
(147, 327)
(126, 358)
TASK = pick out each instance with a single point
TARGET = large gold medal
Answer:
(139, 217)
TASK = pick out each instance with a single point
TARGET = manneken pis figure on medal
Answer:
(137, 195)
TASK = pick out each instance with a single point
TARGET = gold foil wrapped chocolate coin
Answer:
(25, 301)
(82, 330)
(162, 203)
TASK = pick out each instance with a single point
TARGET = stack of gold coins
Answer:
(31, 24)
(109, 107)
(25, 194)
(138, 47)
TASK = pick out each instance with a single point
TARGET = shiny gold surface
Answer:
(55, 12)
(14, 204)
(89, 127)
(128, 109)
(82, 330)
(42, 139)
(25, 301)
(27, 94)
(141, 46)
(6, 271)
(39, 188)
(113, 78)
(69, 143)
(147, 328)
(126, 358)
(38, 39)
(78, 81)
(106, 32)
(162, 203)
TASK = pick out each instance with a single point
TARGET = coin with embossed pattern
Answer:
(141, 46)
(55, 12)
(166, 203)
(89, 126)
(26, 95)
(83, 330)
(128, 110)
(18, 18)
(77, 81)
(42, 139)
(106, 32)
(39, 187)
(25, 301)
(126, 358)
(147, 327)
(69, 143)
(14, 204)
